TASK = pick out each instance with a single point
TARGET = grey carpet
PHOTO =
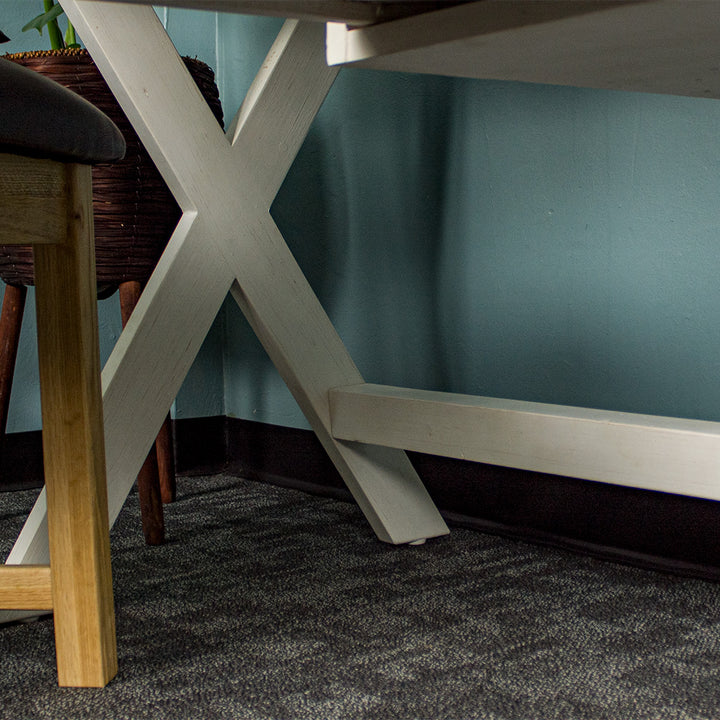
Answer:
(269, 603)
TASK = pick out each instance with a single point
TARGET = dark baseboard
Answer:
(21, 461)
(659, 531)
(200, 445)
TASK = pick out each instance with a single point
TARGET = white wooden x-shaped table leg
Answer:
(226, 241)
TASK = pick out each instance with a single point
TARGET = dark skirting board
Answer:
(670, 533)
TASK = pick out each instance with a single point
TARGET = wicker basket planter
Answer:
(135, 213)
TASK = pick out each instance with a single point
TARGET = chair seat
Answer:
(43, 119)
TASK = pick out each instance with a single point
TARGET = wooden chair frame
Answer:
(48, 204)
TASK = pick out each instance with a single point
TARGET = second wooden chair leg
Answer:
(129, 296)
(151, 506)
(10, 323)
(166, 461)
(148, 480)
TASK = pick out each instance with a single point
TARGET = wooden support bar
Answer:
(26, 587)
(645, 451)
(261, 135)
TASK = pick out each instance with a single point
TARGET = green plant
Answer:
(49, 17)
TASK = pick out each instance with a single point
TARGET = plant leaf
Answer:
(39, 22)
(70, 37)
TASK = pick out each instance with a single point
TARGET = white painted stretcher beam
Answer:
(645, 451)
(659, 46)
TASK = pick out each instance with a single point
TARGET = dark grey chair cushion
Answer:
(40, 118)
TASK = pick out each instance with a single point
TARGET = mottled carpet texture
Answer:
(269, 603)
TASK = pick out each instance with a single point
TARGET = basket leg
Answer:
(148, 482)
(165, 450)
(10, 323)
(164, 444)
(151, 508)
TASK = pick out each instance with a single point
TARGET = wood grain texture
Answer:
(658, 46)
(25, 586)
(73, 445)
(32, 200)
(644, 451)
(281, 104)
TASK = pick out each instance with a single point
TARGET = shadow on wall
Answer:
(369, 247)
(362, 211)
(303, 212)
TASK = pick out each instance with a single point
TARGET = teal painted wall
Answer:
(533, 242)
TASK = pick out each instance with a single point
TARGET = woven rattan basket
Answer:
(135, 213)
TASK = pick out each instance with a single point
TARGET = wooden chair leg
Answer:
(73, 445)
(10, 323)
(165, 450)
(148, 480)
(164, 446)
(151, 506)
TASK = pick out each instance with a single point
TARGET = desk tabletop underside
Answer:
(658, 46)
